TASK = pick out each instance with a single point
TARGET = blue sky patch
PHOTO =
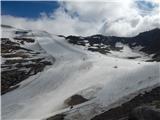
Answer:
(146, 5)
(28, 9)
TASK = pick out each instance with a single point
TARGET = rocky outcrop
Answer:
(57, 117)
(147, 43)
(134, 109)
(75, 100)
(144, 113)
(20, 62)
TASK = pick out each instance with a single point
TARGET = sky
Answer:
(28, 9)
(116, 17)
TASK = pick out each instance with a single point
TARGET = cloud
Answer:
(117, 17)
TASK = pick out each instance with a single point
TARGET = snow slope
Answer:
(76, 70)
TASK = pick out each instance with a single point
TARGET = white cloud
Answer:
(119, 17)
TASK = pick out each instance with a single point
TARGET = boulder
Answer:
(75, 100)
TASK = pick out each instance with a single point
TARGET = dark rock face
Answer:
(134, 108)
(22, 32)
(148, 41)
(144, 113)
(23, 39)
(57, 117)
(75, 100)
(20, 63)
(6, 26)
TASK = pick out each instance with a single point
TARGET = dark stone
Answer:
(144, 113)
(57, 117)
(22, 32)
(75, 100)
(115, 66)
(133, 57)
(61, 36)
(29, 40)
(6, 26)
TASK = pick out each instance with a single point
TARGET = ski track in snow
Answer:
(75, 70)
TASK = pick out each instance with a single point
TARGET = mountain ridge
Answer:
(149, 42)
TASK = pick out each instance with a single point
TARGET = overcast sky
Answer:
(109, 17)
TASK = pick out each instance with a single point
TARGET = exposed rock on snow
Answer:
(145, 46)
(144, 113)
(75, 100)
(19, 61)
(134, 109)
(57, 117)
